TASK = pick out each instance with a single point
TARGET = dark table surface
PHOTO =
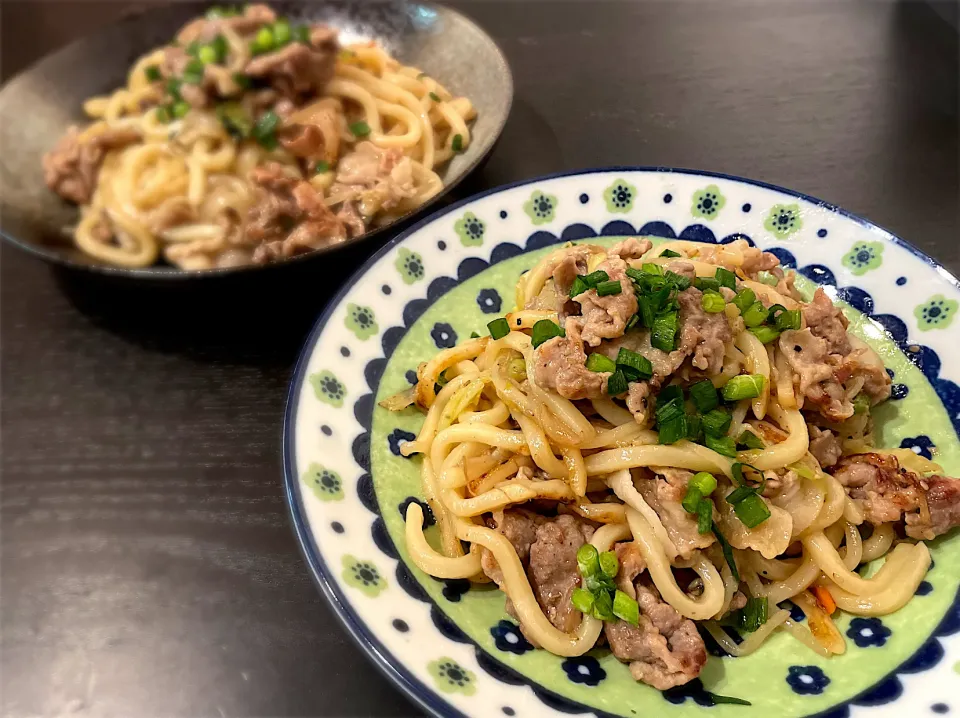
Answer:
(148, 567)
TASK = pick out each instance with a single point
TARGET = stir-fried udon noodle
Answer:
(251, 138)
(663, 444)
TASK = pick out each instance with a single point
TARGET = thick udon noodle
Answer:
(483, 427)
(195, 160)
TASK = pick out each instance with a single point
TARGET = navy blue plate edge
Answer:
(413, 688)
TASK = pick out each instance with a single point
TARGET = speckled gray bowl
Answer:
(37, 106)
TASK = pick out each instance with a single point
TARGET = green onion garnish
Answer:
(193, 72)
(750, 440)
(321, 167)
(768, 278)
(672, 431)
(755, 315)
(707, 284)
(670, 253)
(751, 511)
(745, 386)
(219, 45)
(301, 33)
(669, 410)
(625, 608)
(764, 334)
(645, 311)
(703, 482)
(282, 33)
(726, 278)
(861, 403)
(474, 335)
(744, 299)
(694, 427)
(631, 323)
(582, 600)
(598, 362)
(606, 289)
(723, 445)
(677, 280)
(727, 552)
(544, 330)
(153, 73)
(434, 96)
(716, 422)
(739, 494)
(712, 302)
(173, 87)
(719, 700)
(753, 615)
(578, 287)
(588, 560)
(669, 393)
(457, 144)
(207, 54)
(264, 131)
(651, 268)
(180, 109)
(691, 499)
(360, 129)
(704, 516)
(498, 328)
(263, 42)
(664, 332)
(234, 119)
(637, 362)
(609, 565)
(603, 606)
(788, 319)
(704, 396)
(617, 383)
(243, 81)
(164, 114)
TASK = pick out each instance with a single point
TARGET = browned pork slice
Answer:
(824, 446)
(684, 269)
(754, 259)
(573, 264)
(205, 29)
(70, 169)
(606, 317)
(808, 358)
(638, 400)
(664, 494)
(519, 526)
(560, 364)
(631, 565)
(887, 492)
(382, 178)
(289, 217)
(664, 650)
(631, 248)
(706, 333)
(298, 69)
(826, 321)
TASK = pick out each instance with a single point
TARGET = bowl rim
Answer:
(162, 273)
(364, 637)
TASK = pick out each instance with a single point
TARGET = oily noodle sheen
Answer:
(491, 427)
(195, 160)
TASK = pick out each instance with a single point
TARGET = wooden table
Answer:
(148, 567)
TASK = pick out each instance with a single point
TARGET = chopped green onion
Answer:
(727, 552)
(768, 278)
(595, 278)
(193, 48)
(578, 287)
(164, 114)
(153, 73)
(301, 33)
(321, 167)
(457, 143)
(282, 33)
(670, 253)
(787, 319)
(755, 315)
(631, 323)
(704, 396)
(609, 565)
(861, 403)
(719, 700)
(263, 42)
(243, 81)
(712, 302)
(723, 445)
(434, 96)
(704, 516)
(360, 129)
(598, 362)
(207, 54)
(498, 328)
(617, 383)
(669, 393)
(750, 440)
(645, 311)
(637, 362)
(603, 606)
(677, 280)
(670, 432)
(691, 499)
(588, 560)
(219, 45)
(173, 87)
(694, 427)
(744, 299)
(217, 12)
(635, 274)
(193, 72)
(764, 334)
(751, 511)
(474, 335)
(545, 330)
(669, 410)
(726, 278)
(703, 482)
(753, 614)
(626, 608)
(234, 118)
(582, 600)
(716, 422)
(739, 494)
(180, 109)
(664, 331)
(745, 386)
(707, 284)
(264, 131)
(606, 289)
(651, 268)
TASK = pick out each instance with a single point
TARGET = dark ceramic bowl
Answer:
(37, 107)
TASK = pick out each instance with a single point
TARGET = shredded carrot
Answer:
(824, 599)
